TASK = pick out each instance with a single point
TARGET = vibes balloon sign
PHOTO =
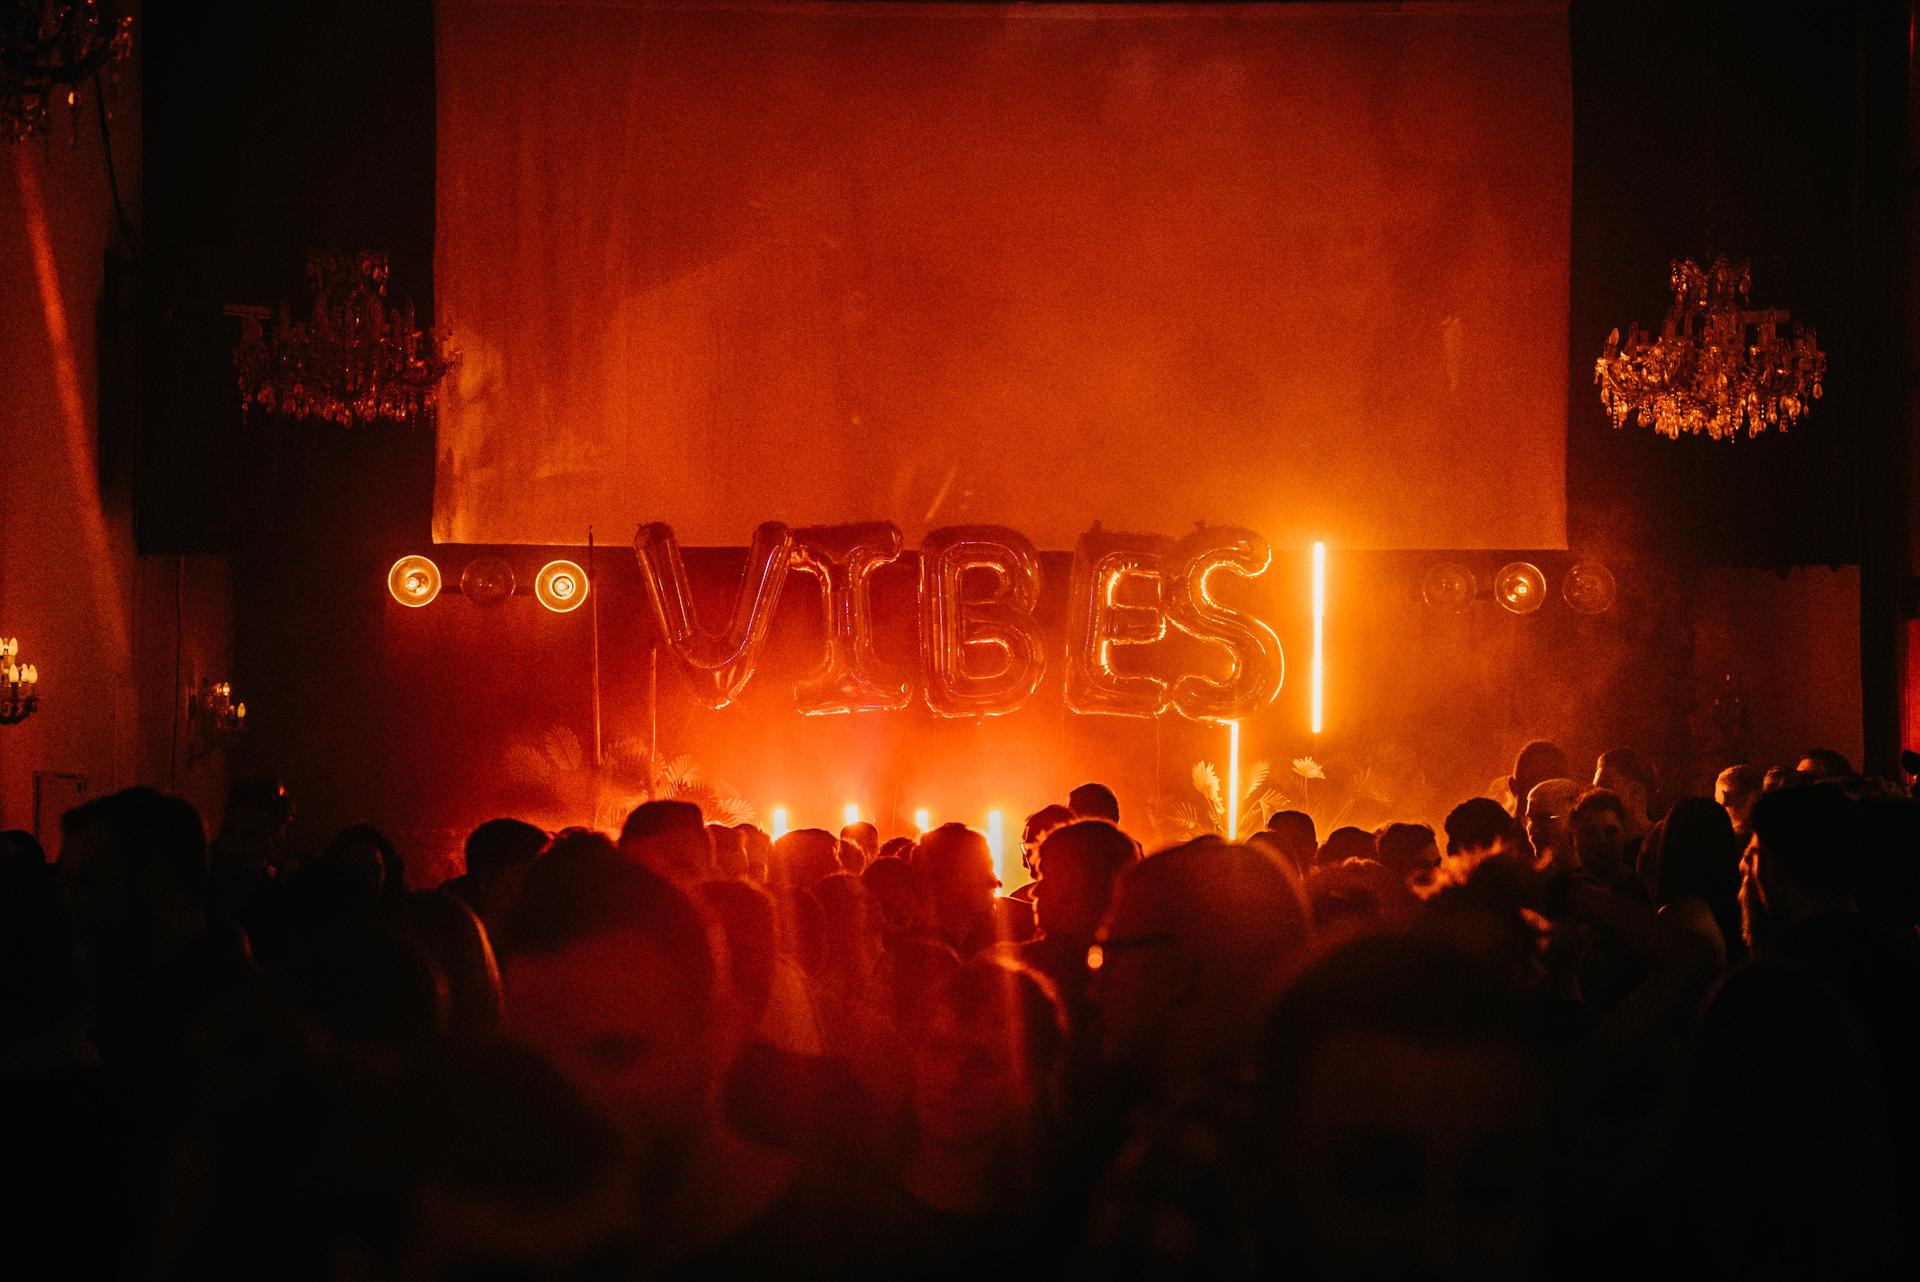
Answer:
(982, 653)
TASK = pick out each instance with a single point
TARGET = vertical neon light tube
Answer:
(779, 822)
(922, 819)
(997, 843)
(1233, 780)
(850, 813)
(1319, 635)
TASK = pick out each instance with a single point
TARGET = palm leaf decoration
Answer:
(556, 776)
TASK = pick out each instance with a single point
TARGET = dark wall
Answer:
(273, 128)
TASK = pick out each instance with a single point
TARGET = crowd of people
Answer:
(1585, 1031)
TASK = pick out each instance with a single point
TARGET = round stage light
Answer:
(561, 586)
(1590, 588)
(1520, 587)
(487, 581)
(1449, 586)
(414, 581)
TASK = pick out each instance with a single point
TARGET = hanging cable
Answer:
(113, 177)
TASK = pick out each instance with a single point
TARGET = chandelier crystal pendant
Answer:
(354, 361)
(1717, 366)
(48, 49)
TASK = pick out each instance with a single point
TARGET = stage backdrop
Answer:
(1301, 268)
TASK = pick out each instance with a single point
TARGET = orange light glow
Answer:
(850, 813)
(414, 581)
(997, 843)
(922, 819)
(1319, 635)
(779, 822)
(77, 433)
(561, 586)
(1233, 780)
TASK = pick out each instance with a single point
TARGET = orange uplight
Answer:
(779, 822)
(1233, 780)
(922, 819)
(997, 843)
(561, 586)
(1319, 635)
(850, 813)
(414, 581)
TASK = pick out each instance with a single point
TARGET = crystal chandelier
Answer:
(356, 360)
(18, 697)
(1716, 366)
(47, 51)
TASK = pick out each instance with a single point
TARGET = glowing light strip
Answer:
(779, 822)
(1319, 634)
(922, 819)
(1233, 780)
(850, 813)
(997, 843)
(78, 435)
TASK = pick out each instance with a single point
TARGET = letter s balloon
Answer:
(1256, 663)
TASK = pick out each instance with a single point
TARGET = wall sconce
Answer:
(214, 720)
(414, 581)
(561, 586)
(1520, 587)
(18, 697)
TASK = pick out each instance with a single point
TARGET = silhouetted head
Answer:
(1825, 763)
(745, 915)
(859, 845)
(1343, 844)
(1035, 830)
(19, 847)
(1299, 839)
(1478, 826)
(39, 967)
(987, 1065)
(1782, 1146)
(802, 857)
(1408, 1122)
(611, 973)
(257, 814)
(911, 970)
(1600, 834)
(759, 851)
(729, 851)
(1548, 815)
(956, 866)
(1407, 850)
(1802, 858)
(1072, 897)
(1190, 951)
(1094, 801)
(850, 933)
(1630, 777)
(1737, 788)
(898, 893)
(366, 853)
(670, 836)
(1539, 761)
(131, 860)
(502, 844)
(454, 937)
